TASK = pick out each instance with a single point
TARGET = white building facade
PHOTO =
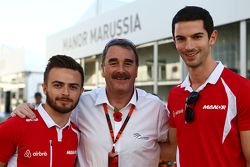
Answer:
(148, 24)
(17, 83)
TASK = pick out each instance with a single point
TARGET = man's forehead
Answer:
(64, 75)
(116, 51)
(189, 27)
(189, 24)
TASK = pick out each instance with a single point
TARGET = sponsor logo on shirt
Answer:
(214, 107)
(139, 136)
(177, 112)
(31, 120)
(29, 154)
(71, 152)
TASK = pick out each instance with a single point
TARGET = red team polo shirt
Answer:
(24, 142)
(222, 110)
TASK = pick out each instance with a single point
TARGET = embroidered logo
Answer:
(40, 154)
(27, 154)
(71, 152)
(214, 107)
(178, 112)
(139, 136)
(31, 120)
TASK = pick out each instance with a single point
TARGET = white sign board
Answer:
(142, 21)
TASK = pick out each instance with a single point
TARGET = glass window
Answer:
(169, 63)
(90, 74)
(227, 47)
(101, 80)
(145, 69)
(169, 69)
(145, 75)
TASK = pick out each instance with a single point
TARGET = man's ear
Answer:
(173, 39)
(102, 66)
(136, 71)
(44, 86)
(213, 37)
(82, 90)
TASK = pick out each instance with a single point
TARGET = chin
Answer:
(121, 88)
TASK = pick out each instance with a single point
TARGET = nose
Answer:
(189, 44)
(120, 68)
(65, 91)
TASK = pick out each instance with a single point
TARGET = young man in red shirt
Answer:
(51, 139)
(210, 109)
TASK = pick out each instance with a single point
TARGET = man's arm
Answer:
(168, 149)
(10, 131)
(245, 144)
(2, 164)
(24, 110)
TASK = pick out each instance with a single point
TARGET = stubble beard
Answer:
(55, 107)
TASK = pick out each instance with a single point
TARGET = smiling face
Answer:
(62, 89)
(120, 69)
(192, 42)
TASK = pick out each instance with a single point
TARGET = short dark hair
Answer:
(120, 42)
(63, 61)
(191, 13)
(38, 94)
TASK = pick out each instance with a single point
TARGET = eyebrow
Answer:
(59, 82)
(115, 59)
(112, 59)
(181, 36)
(129, 60)
(199, 33)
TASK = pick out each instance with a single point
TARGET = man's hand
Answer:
(2, 164)
(245, 145)
(24, 110)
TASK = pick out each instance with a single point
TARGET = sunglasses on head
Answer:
(190, 103)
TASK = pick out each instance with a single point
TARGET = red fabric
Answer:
(201, 142)
(32, 140)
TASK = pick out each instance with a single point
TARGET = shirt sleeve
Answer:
(243, 106)
(169, 108)
(8, 138)
(163, 123)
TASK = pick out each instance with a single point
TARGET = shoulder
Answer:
(235, 81)
(12, 126)
(227, 74)
(18, 123)
(92, 94)
(176, 90)
(145, 96)
(89, 98)
(13, 122)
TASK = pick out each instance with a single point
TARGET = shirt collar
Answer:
(47, 119)
(212, 79)
(102, 97)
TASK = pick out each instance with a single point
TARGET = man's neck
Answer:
(119, 99)
(199, 75)
(59, 118)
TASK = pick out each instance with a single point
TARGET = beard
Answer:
(60, 109)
